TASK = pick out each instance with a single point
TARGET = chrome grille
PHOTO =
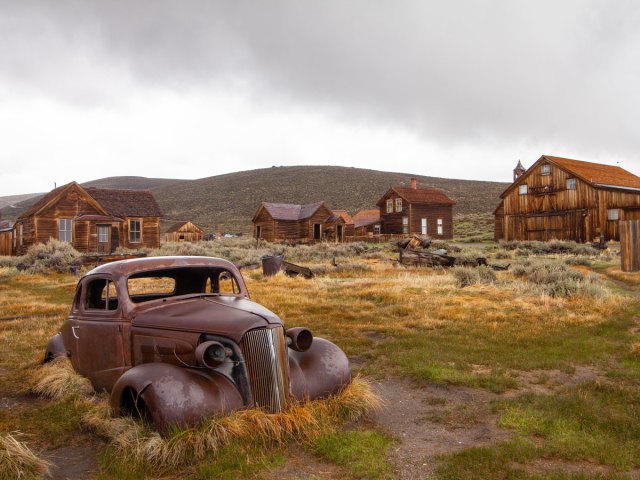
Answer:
(267, 361)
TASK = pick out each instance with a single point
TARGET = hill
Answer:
(228, 202)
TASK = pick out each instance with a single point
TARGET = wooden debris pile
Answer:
(416, 251)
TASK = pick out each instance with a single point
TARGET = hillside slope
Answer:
(228, 202)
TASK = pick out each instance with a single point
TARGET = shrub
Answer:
(556, 280)
(466, 276)
(501, 253)
(552, 247)
(53, 255)
(578, 261)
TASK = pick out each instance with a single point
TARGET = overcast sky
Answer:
(190, 89)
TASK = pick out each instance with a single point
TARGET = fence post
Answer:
(630, 245)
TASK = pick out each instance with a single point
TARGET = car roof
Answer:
(136, 265)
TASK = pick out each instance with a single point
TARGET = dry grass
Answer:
(57, 379)
(18, 461)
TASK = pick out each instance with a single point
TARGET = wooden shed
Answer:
(93, 220)
(285, 222)
(184, 232)
(565, 199)
(423, 211)
(6, 240)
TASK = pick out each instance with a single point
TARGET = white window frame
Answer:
(65, 230)
(398, 204)
(523, 189)
(389, 205)
(572, 183)
(613, 214)
(376, 229)
(405, 224)
(440, 227)
(545, 169)
(138, 231)
(101, 231)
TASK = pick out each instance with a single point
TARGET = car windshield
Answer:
(165, 283)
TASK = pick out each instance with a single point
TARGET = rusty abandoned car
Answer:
(177, 339)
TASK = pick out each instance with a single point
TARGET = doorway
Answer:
(339, 233)
(316, 231)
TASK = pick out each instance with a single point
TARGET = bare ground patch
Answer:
(304, 465)
(555, 466)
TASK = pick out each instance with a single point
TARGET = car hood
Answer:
(221, 315)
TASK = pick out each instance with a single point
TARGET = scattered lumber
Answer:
(425, 259)
(294, 270)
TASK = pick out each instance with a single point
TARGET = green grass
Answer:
(362, 452)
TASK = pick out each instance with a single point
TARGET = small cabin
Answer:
(564, 199)
(367, 223)
(184, 232)
(93, 220)
(413, 210)
(285, 222)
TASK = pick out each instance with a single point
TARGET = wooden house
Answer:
(6, 238)
(564, 199)
(423, 211)
(184, 232)
(348, 225)
(367, 222)
(93, 220)
(284, 222)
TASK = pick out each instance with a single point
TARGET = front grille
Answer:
(267, 360)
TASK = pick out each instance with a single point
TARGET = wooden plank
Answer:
(630, 245)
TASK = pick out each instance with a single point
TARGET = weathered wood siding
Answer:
(391, 222)
(551, 211)
(149, 235)
(320, 216)
(630, 245)
(188, 232)
(6, 242)
(266, 224)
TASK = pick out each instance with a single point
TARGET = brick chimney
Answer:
(414, 184)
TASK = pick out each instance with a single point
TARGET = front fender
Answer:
(319, 372)
(174, 395)
(55, 348)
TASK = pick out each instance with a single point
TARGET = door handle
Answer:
(73, 330)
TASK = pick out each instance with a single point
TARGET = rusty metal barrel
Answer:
(271, 264)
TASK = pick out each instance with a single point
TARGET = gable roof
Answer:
(126, 203)
(289, 211)
(431, 196)
(345, 216)
(366, 217)
(57, 193)
(595, 174)
(177, 226)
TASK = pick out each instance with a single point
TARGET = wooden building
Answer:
(564, 199)
(93, 220)
(6, 240)
(184, 232)
(349, 226)
(367, 223)
(284, 222)
(423, 211)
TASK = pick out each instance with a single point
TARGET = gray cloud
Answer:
(545, 72)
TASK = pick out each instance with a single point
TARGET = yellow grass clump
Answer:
(57, 379)
(17, 460)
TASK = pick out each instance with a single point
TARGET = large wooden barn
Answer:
(184, 232)
(91, 219)
(284, 222)
(423, 211)
(564, 199)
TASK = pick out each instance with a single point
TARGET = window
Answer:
(405, 224)
(151, 286)
(389, 205)
(523, 189)
(101, 295)
(103, 233)
(613, 214)
(65, 226)
(545, 169)
(135, 231)
(440, 227)
(398, 204)
(571, 183)
(376, 229)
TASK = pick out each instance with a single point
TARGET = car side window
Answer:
(101, 295)
(223, 283)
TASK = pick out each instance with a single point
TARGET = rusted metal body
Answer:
(177, 339)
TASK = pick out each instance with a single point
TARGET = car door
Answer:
(98, 331)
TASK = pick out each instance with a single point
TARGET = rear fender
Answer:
(321, 371)
(174, 396)
(55, 348)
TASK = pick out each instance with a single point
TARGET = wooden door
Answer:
(104, 238)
